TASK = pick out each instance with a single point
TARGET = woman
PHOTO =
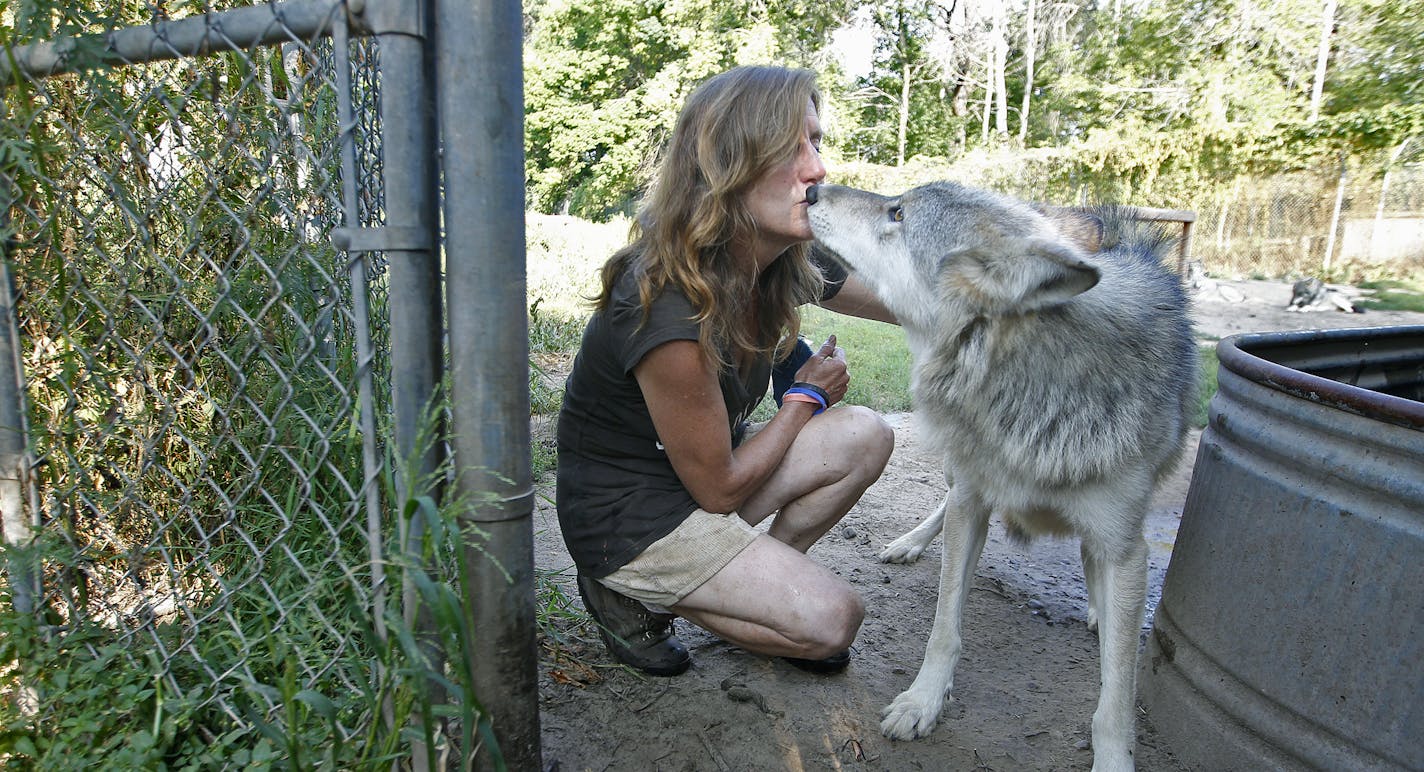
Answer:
(659, 483)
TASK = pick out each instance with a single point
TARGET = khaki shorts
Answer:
(675, 565)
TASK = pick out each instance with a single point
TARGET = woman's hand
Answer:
(827, 369)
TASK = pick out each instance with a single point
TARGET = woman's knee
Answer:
(870, 439)
(836, 624)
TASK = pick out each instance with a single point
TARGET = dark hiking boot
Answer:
(634, 635)
(832, 664)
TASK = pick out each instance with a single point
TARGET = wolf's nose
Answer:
(812, 193)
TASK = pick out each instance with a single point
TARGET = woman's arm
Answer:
(856, 299)
(685, 402)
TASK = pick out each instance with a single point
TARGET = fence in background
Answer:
(226, 475)
(1308, 222)
(1362, 211)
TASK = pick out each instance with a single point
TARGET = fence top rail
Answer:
(1164, 215)
(232, 30)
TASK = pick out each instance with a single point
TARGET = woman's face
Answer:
(778, 200)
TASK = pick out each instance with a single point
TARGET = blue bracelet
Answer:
(819, 397)
(816, 391)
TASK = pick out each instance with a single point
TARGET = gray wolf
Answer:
(1311, 294)
(1054, 368)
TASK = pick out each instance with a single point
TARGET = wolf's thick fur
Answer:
(1057, 380)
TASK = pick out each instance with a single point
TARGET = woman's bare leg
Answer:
(771, 598)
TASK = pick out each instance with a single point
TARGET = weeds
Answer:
(1209, 368)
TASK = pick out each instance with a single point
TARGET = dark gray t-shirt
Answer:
(617, 492)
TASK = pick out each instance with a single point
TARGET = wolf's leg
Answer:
(1093, 578)
(915, 712)
(911, 544)
(1122, 595)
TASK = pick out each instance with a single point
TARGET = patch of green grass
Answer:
(1209, 367)
(876, 352)
(1392, 295)
(1383, 284)
(554, 331)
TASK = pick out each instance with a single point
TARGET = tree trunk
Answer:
(1322, 57)
(988, 100)
(1001, 54)
(906, 72)
(1030, 49)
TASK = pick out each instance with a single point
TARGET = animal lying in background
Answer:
(1311, 294)
(1054, 367)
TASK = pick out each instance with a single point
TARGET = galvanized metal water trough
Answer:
(1290, 634)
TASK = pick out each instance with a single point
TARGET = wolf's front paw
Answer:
(1112, 750)
(1112, 762)
(906, 549)
(910, 716)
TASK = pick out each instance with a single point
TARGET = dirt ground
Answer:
(1025, 688)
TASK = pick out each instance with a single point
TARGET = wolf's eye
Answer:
(897, 214)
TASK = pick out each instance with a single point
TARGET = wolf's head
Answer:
(943, 246)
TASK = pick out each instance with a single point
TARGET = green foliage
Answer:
(603, 82)
(112, 701)
(1158, 104)
(1361, 130)
(190, 358)
(901, 53)
(606, 78)
(1209, 368)
(1378, 57)
(1392, 295)
(305, 678)
(552, 331)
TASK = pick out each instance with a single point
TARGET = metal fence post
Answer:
(17, 525)
(409, 237)
(479, 86)
(411, 193)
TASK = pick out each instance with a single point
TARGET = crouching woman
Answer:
(661, 486)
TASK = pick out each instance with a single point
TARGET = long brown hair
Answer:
(733, 129)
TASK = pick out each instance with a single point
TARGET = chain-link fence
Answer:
(205, 508)
(1363, 212)
(1310, 222)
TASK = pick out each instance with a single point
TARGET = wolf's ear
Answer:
(1080, 227)
(1055, 272)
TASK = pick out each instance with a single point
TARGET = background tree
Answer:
(605, 79)
(995, 89)
(1161, 101)
(901, 65)
(1030, 54)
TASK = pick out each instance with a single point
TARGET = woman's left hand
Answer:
(827, 369)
